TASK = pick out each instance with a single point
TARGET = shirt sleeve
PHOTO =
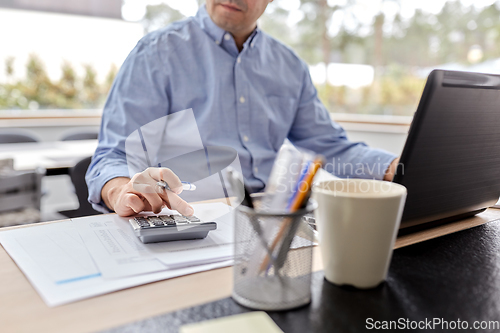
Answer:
(137, 97)
(313, 129)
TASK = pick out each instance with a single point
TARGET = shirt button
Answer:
(227, 37)
(256, 169)
(242, 99)
(238, 60)
(245, 138)
(252, 44)
(217, 42)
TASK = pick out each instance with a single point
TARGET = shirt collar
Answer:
(206, 23)
(252, 38)
(216, 32)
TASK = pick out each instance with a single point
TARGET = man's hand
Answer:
(389, 174)
(141, 193)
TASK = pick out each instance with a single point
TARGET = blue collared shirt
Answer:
(251, 100)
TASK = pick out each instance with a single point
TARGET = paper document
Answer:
(116, 251)
(217, 246)
(58, 265)
(73, 260)
(57, 249)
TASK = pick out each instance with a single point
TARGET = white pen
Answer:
(185, 185)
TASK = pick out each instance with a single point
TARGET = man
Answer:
(247, 91)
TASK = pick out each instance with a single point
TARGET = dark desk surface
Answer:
(452, 277)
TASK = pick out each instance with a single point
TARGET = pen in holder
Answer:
(285, 281)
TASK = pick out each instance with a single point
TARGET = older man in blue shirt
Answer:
(247, 91)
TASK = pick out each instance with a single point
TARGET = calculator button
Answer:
(168, 220)
(142, 222)
(156, 221)
(179, 218)
(192, 218)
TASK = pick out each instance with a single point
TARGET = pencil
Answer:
(304, 189)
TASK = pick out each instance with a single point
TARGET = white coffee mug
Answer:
(357, 222)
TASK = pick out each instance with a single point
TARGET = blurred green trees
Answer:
(400, 47)
(38, 91)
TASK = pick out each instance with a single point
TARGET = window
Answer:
(365, 56)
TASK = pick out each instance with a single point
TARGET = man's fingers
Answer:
(134, 202)
(153, 198)
(144, 184)
(175, 202)
(172, 180)
(129, 204)
(168, 176)
(143, 188)
(151, 176)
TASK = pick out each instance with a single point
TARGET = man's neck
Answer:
(240, 38)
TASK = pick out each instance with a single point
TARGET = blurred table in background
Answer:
(56, 156)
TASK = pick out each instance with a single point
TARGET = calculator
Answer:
(164, 228)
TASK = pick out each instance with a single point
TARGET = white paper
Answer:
(58, 265)
(116, 251)
(57, 249)
(56, 261)
(216, 247)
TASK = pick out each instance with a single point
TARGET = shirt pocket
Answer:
(280, 114)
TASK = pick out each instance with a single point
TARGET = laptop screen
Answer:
(450, 164)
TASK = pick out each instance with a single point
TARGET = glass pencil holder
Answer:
(273, 258)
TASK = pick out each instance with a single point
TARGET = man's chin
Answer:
(227, 23)
(229, 13)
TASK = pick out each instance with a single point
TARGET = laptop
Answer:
(450, 164)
